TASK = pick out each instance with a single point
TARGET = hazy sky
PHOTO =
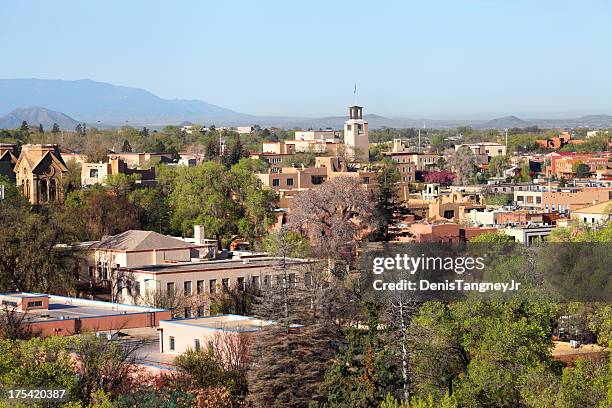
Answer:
(423, 58)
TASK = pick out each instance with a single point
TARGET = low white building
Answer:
(594, 214)
(179, 335)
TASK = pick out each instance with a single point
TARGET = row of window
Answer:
(276, 182)
(268, 281)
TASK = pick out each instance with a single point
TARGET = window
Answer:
(275, 182)
(136, 287)
(171, 343)
(241, 283)
(225, 283)
(255, 281)
(292, 280)
(93, 173)
(200, 287)
(359, 126)
(366, 180)
(187, 287)
(213, 286)
(196, 344)
(170, 288)
(348, 127)
(279, 280)
(187, 312)
(449, 214)
(308, 279)
(36, 303)
(267, 281)
(316, 180)
(9, 303)
(289, 182)
(538, 200)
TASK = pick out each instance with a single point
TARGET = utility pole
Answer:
(419, 148)
(506, 132)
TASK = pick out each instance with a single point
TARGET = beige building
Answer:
(39, 172)
(594, 214)
(193, 284)
(562, 199)
(138, 160)
(487, 149)
(327, 135)
(179, 335)
(325, 168)
(97, 173)
(356, 135)
(137, 248)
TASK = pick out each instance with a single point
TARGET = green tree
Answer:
(55, 128)
(126, 146)
(498, 164)
(388, 178)
(581, 170)
(24, 126)
(40, 128)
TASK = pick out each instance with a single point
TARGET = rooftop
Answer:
(63, 308)
(600, 208)
(138, 240)
(216, 265)
(225, 322)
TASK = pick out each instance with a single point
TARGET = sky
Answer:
(419, 59)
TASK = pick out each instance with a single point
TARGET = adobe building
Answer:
(50, 315)
(561, 199)
(356, 135)
(97, 173)
(39, 173)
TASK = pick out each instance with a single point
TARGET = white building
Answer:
(356, 136)
(179, 335)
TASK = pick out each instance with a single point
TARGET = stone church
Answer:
(39, 172)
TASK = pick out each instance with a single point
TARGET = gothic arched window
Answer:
(43, 194)
(53, 190)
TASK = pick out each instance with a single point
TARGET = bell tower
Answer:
(356, 135)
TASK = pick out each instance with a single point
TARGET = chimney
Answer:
(198, 234)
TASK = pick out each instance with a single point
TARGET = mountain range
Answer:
(104, 104)
(37, 116)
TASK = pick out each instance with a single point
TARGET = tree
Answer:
(30, 260)
(126, 146)
(55, 128)
(334, 216)
(235, 152)
(211, 148)
(79, 129)
(104, 365)
(37, 363)
(24, 126)
(582, 170)
(387, 177)
(443, 177)
(364, 371)
(40, 128)
(224, 202)
(463, 163)
(498, 165)
(14, 325)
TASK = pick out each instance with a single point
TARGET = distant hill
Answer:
(92, 101)
(35, 116)
(502, 123)
(103, 104)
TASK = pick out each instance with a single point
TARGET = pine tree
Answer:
(79, 129)
(24, 126)
(126, 146)
(40, 128)
(55, 129)
(235, 153)
(387, 178)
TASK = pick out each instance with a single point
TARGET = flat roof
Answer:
(62, 308)
(225, 322)
(217, 265)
